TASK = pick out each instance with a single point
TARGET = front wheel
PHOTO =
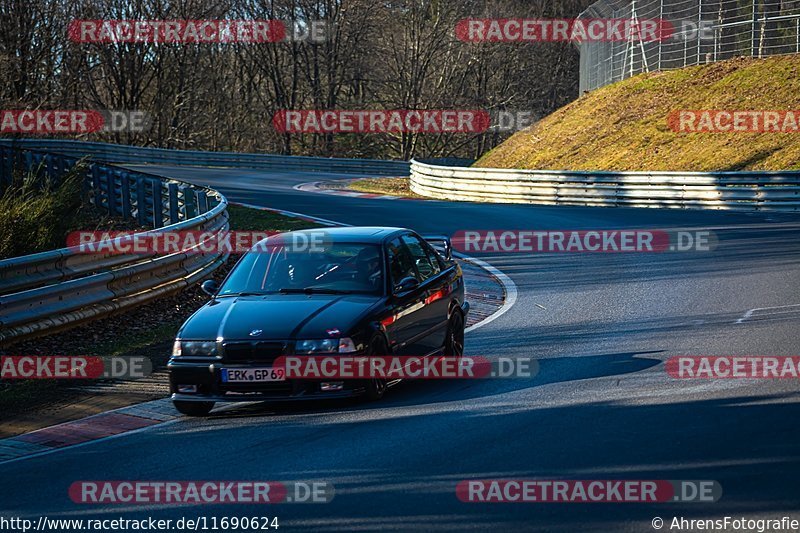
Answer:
(376, 387)
(193, 408)
(454, 343)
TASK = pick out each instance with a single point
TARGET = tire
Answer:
(193, 408)
(454, 342)
(376, 388)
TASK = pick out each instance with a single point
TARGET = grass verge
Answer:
(391, 186)
(36, 213)
(624, 126)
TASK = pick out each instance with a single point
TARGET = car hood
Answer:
(280, 316)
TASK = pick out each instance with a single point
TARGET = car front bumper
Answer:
(206, 377)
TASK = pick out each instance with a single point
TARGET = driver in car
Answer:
(368, 271)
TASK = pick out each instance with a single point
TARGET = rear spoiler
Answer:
(444, 240)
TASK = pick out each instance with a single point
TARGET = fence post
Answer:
(630, 41)
(753, 32)
(699, 30)
(660, 42)
(717, 40)
(685, 51)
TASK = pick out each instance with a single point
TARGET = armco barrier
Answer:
(48, 291)
(777, 191)
(116, 153)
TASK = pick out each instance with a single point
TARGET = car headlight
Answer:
(201, 348)
(312, 346)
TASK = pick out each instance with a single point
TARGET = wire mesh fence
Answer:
(701, 31)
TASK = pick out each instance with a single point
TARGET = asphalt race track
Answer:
(602, 406)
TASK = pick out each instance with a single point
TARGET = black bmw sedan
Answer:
(355, 291)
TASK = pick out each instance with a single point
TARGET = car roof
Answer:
(352, 234)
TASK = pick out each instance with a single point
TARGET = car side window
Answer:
(401, 263)
(436, 259)
(422, 260)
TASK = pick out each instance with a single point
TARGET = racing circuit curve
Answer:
(601, 407)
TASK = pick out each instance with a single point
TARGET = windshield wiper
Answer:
(313, 290)
(241, 294)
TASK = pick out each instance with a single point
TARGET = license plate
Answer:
(253, 375)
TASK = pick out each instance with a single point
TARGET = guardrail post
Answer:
(158, 205)
(4, 181)
(102, 182)
(174, 215)
(110, 191)
(202, 202)
(189, 202)
(49, 169)
(94, 177)
(126, 194)
(86, 190)
(141, 201)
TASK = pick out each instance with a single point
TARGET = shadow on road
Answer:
(423, 392)
(401, 468)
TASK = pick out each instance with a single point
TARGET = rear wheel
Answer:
(193, 408)
(454, 343)
(376, 387)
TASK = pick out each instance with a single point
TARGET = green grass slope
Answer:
(624, 126)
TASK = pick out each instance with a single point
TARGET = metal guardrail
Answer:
(45, 292)
(777, 191)
(115, 153)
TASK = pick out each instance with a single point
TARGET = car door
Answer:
(404, 325)
(433, 314)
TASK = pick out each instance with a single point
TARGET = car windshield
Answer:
(338, 268)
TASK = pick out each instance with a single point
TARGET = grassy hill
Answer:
(624, 126)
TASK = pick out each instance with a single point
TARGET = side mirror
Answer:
(406, 284)
(210, 287)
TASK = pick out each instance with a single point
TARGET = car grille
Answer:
(253, 352)
(277, 387)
